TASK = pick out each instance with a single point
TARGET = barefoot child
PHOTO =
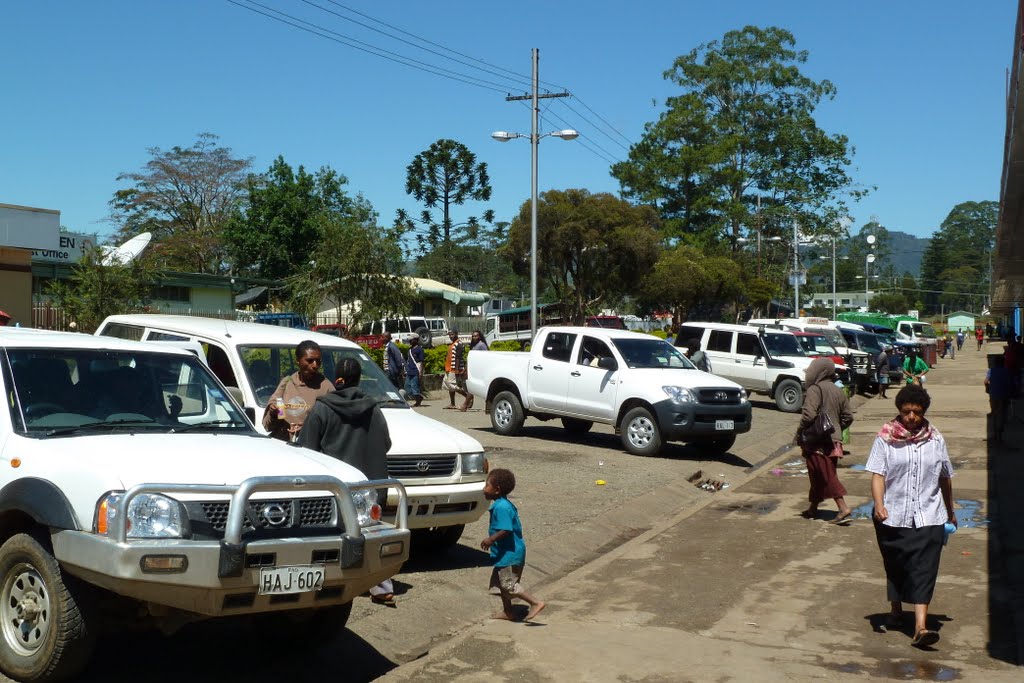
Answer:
(506, 545)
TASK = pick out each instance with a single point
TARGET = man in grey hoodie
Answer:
(349, 425)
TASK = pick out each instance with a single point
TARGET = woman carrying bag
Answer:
(826, 413)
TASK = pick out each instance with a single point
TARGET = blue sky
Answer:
(87, 87)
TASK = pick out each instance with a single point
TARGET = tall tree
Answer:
(279, 227)
(97, 289)
(686, 280)
(742, 130)
(184, 196)
(965, 239)
(590, 247)
(445, 175)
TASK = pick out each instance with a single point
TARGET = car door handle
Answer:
(538, 367)
(575, 373)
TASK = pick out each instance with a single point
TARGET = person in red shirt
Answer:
(979, 334)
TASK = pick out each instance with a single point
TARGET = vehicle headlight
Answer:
(150, 515)
(367, 510)
(474, 463)
(680, 394)
(743, 395)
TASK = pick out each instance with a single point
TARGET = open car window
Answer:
(75, 391)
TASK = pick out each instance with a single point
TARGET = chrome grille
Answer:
(422, 465)
(312, 513)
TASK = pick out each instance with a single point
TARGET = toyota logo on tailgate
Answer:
(422, 466)
(275, 514)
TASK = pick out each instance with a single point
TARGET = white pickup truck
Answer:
(642, 385)
(442, 469)
(131, 486)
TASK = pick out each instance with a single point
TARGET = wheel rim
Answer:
(791, 396)
(25, 610)
(502, 412)
(640, 432)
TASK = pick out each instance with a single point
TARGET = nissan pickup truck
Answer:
(442, 469)
(641, 385)
(133, 488)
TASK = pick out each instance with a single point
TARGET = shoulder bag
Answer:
(821, 428)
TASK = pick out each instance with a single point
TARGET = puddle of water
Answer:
(904, 670)
(968, 513)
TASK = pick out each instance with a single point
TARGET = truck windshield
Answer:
(267, 364)
(816, 344)
(833, 336)
(61, 392)
(783, 345)
(651, 353)
(924, 330)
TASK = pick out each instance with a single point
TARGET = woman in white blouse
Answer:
(913, 500)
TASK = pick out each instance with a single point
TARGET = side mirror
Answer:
(607, 363)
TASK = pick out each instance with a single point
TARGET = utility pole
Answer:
(534, 140)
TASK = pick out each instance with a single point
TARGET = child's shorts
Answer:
(506, 579)
(883, 379)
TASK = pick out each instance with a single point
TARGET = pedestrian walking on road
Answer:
(414, 372)
(882, 365)
(979, 334)
(455, 373)
(823, 451)
(913, 500)
(999, 387)
(505, 543)
(348, 425)
(960, 339)
(394, 363)
(477, 343)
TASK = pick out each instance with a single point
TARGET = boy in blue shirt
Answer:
(505, 542)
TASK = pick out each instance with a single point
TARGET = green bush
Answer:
(507, 345)
(660, 334)
(433, 360)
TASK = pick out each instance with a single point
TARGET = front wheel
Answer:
(640, 432)
(789, 396)
(426, 340)
(45, 625)
(507, 413)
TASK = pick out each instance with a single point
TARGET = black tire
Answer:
(718, 445)
(789, 396)
(437, 539)
(426, 339)
(46, 632)
(640, 432)
(575, 426)
(507, 414)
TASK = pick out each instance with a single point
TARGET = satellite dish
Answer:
(127, 252)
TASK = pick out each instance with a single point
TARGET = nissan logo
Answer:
(275, 514)
(422, 466)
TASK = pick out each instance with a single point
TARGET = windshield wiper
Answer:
(71, 429)
(208, 423)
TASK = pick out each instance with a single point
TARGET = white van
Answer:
(861, 364)
(442, 469)
(763, 361)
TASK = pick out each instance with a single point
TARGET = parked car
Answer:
(137, 493)
(431, 331)
(818, 346)
(292, 320)
(858, 362)
(763, 361)
(640, 384)
(442, 468)
(333, 329)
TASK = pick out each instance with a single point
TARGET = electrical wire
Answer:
(366, 47)
(598, 128)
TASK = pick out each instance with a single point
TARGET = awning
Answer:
(250, 296)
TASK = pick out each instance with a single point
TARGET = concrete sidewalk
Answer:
(739, 587)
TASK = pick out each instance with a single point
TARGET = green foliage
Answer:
(592, 247)
(356, 261)
(890, 302)
(685, 279)
(185, 197)
(506, 345)
(278, 232)
(95, 291)
(433, 360)
(445, 175)
(660, 334)
(741, 130)
(956, 264)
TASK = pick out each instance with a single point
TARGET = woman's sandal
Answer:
(841, 519)
(924, 638)
(387, 599)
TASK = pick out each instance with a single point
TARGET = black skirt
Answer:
(911, 559)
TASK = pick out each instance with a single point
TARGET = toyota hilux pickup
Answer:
(442, 469)
(641, 385)
(128, 477)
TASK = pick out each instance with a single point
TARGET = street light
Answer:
(746, 240)
(868, 260)
(505, 136)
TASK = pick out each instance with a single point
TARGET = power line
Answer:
(625, 147)
(584, 139)
(366, 47)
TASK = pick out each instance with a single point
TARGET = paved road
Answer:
(569, 521)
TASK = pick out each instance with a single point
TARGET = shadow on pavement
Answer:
(457, 557)
(226, 651)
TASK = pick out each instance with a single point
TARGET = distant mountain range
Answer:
(906, 252)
